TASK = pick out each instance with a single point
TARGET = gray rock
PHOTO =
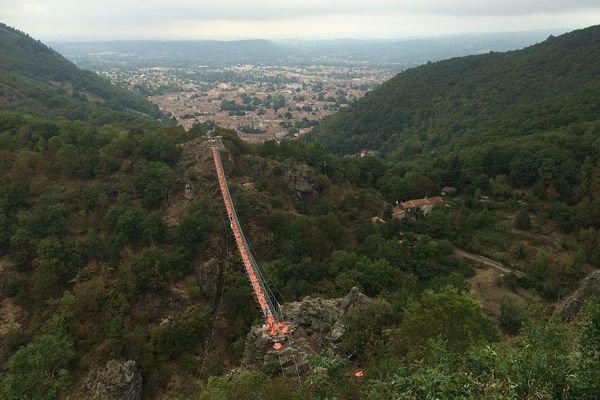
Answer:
(300, 179)
(118, 380)
(255, 164)
(189, 191)
(207, 276)
(196, 163)
(256, 203)
(590, 287)
(316, 324)
(352, 299)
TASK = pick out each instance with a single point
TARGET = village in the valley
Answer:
(259, 102)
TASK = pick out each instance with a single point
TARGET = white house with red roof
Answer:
(416, 207)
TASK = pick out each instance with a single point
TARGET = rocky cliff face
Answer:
(196, 161)
(300, 179)
(589, 288)
(194, 169)
(116, 381)
(316, 324)
(196, 165)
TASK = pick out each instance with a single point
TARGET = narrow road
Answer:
(488, 262)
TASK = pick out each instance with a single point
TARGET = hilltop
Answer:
(475, 100)
(37, 80)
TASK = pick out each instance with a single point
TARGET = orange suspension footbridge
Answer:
(274, 325)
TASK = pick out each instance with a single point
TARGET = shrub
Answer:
(38, 370)
(510, 316)
(522, 220)
(181, 335)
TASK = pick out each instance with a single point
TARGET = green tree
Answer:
(149, 271)
(330, 375)
(440, 224)
(501, 186)
(153, 183)
(539, 267)
(364, 324)
(195, 226)
(158, 146)
(278, 102)
(181, 335)
(451, 315)
(523, 220)
(540, 367)
(5, 226)
(587, 362)
(152, 228)
(56, 263)
(510, 315)
(122, 222)
(38, 370)
(577, 265)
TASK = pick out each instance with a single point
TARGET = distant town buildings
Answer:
(259, 102)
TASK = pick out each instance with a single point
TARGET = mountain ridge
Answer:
(541, 87)
(36, 79)
(393, 53)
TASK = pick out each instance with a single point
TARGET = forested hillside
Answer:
(456, 104)
(518, 131)
(105, 258)
(35, 79)
(114, 247)
(100, 248)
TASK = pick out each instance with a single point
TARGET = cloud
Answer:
(157, 18)
(275, 9)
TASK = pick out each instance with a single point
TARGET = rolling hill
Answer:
(37, 80)
(396, 54)
(475, 100)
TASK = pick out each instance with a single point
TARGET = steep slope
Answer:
(35, 79)
(476, 99)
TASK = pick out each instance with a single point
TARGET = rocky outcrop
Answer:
(196, 161)
(207, 276)
(316, 324)
(590, 287)
(255, 164)
(300, 179)
(194, 169)
(116, 381)
(189, 191)
(257, 204)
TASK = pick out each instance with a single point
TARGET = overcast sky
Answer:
(280, 19)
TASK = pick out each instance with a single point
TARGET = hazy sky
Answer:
(277, 19)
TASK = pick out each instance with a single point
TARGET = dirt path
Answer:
(487, 262)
